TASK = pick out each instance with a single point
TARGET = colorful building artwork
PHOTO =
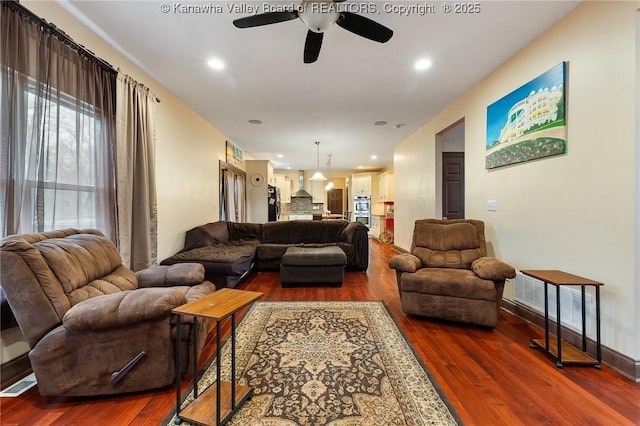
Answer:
(528, 123)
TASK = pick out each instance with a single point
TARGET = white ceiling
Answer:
(336, 100)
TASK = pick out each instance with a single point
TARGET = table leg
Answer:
(194, 333)
(558, 328)
(546, 316)
(598, 344)
(233, 362)
(176, 348)
(218, 388)
(584, 320)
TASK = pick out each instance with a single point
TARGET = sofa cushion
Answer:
(219, 253)
(123, 308)
(245, 231)
(459, 283)
(205, 235)
(267, 251)
(304, 231)
(86, 265)
(446, 245)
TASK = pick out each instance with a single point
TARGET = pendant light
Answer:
(318, 174)
(329, 185)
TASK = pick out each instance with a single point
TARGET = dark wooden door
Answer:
(453, 185)
(334, 201)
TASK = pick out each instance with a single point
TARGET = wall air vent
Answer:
(530, 292)
(20, 387)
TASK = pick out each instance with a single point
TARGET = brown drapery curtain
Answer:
(57, 158)
(137, 209)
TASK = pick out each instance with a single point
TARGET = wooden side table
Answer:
(563, 352)
(228, 396)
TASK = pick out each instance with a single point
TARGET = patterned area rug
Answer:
(329, 363)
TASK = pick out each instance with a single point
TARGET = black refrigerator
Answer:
(273, 194)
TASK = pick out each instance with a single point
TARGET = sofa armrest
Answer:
(490, 268)
(122, 308)
(405, 262)
(349, 232)
(172, 275)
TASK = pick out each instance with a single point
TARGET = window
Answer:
(62, 186)
(57, 158)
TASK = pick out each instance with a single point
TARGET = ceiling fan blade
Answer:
(265, 19)
(364, 27)
(312, 46)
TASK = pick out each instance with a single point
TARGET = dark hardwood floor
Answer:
(491, 377)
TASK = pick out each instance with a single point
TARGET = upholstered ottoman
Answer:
(312, 265)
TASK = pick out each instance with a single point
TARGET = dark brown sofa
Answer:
(448, 275)
(86, 316)
(229, 250)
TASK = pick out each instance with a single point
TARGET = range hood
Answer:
(301, 193)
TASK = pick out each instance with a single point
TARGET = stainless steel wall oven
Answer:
(362, 209)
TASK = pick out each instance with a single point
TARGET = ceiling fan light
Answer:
(318, 17)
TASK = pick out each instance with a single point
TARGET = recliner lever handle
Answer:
(116, 376)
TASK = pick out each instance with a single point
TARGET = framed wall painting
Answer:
(530, 122)
(234, 156)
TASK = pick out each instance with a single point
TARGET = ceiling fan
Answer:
(318, 16)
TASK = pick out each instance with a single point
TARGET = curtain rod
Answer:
(128, 77)
(61, 35)
(58, 33)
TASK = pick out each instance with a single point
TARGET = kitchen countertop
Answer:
(332, 216)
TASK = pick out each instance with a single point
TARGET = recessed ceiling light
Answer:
(216, 64)
(280, 156)
(374, 157)
(422, 64)
(255, 121)
(380, 123)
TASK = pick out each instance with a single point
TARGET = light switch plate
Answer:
(492, 205)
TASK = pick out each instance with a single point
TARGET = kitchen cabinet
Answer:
(285, 191)
(374, 227)
(361, 184)
(284, 183)
(317, 191)
(385, 186)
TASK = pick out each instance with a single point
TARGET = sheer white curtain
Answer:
(232, 195)
(57, 112)
(241, 209)
(136, 182)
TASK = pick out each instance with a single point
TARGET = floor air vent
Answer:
(20, 386)
(530, 292)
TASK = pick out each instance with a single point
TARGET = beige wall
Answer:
(573, 212)
(187, 151)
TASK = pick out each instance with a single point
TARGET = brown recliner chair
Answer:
(92, 325)
(448, 275)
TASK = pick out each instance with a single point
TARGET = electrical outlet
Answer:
(492, 205)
